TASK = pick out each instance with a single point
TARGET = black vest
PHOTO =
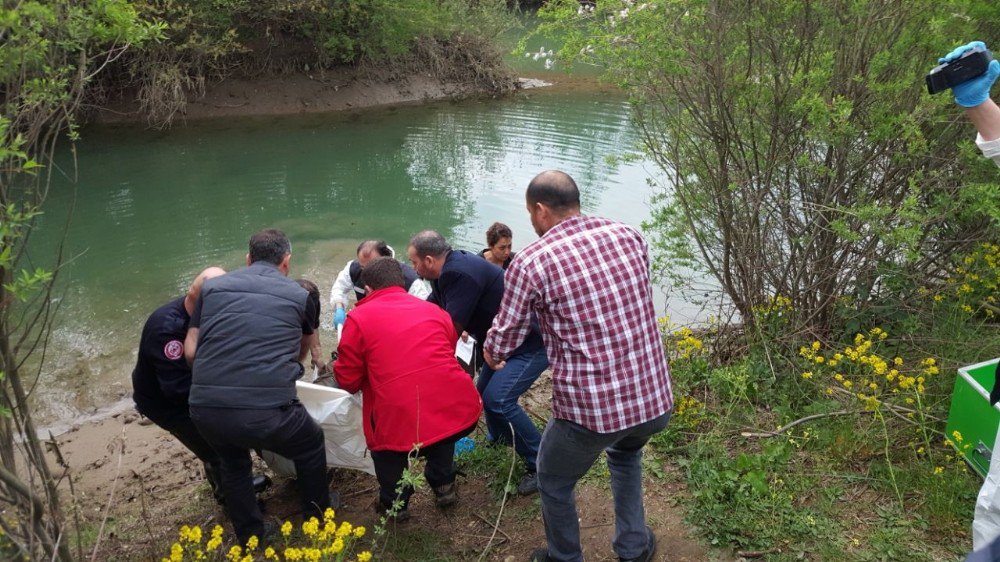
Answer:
(249, 340)
(409, 276)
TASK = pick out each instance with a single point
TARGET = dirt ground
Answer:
(144, 485)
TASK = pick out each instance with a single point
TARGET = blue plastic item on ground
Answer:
(464, 445)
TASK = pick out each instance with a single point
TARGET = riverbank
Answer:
(322, 91)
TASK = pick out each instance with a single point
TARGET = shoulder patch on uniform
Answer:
(174, 349)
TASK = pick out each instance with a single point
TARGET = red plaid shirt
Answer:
(588, 280)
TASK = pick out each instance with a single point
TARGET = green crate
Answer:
(972, 416)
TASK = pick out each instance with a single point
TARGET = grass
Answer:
(863, 486)
(415, 543)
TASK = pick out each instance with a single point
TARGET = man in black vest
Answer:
(349, 278)
(246, 339)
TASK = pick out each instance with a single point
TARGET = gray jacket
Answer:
(250, 325)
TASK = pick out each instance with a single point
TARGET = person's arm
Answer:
(191, 339)
(310, 332)
(986, 118)
(173, 376)
(190, 345)
(974, 94)
(513, 321)
(460, 294)
(342, 287)
(349, 369)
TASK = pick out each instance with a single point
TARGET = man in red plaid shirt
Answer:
(588, 280)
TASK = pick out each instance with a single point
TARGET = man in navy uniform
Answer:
(161, 379)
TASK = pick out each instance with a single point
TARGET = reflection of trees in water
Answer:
(473, 149)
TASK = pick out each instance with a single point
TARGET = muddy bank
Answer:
(303, 92)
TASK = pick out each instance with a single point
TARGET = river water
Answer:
(152, 208)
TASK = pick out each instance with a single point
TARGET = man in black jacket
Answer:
(161, 379)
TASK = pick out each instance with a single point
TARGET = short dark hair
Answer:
(309, 286)
(429, 243)
(383, 272)
(496, 232)
(555, 190)
(270, 245)
(378, 247)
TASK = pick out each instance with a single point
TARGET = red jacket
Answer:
(400, 352)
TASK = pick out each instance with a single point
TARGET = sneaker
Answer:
(647, 554)
(445, 495)
(528, 484)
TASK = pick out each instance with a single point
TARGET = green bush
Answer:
(804, 159)
(210, 39)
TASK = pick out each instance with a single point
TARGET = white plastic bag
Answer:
(339, 414)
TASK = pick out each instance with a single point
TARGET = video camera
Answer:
(971, 64)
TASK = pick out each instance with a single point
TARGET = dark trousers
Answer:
(288, 431)
(567, 452)
(185, 431)
(439, 470)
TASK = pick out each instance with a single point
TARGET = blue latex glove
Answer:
(976, 91)
(339, 316)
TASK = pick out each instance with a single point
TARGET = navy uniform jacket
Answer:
(470, 290)
(161, 379)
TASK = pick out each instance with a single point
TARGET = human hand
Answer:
(495, 365)
(339, 316)
(321, 367)
(974, 92)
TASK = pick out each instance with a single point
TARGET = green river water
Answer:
(152, 208)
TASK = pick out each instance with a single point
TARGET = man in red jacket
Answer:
(400, 352)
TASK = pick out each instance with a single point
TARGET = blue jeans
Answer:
(500, 391)
(568, 450)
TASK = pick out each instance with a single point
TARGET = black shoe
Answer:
(647, 554)
(528, 484)
(261, 483)
(540, 555)
(270, 533)
(446, 495)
